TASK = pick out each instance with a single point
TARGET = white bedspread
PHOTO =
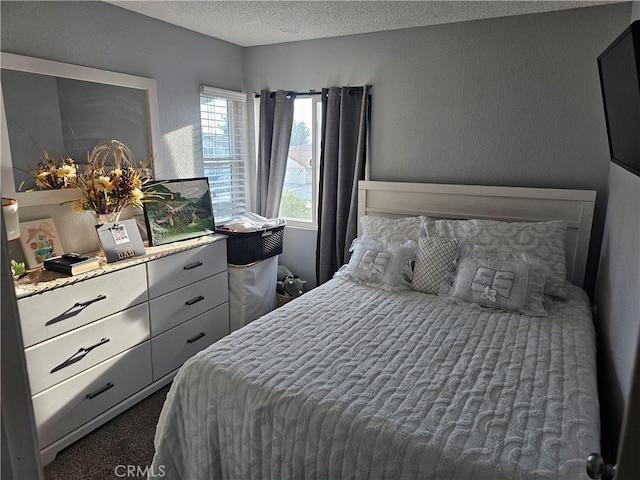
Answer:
(353, 382)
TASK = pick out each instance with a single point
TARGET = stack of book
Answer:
(72, 263)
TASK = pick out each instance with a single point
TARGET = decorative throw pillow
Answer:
(506, 282)
(407, 228)
(544, 240)
(435, 260)
(381, 263)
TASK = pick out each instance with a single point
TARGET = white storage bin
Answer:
(252, 291)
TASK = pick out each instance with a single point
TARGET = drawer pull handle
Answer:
(196, 338)
(74, 310)
(98, 392)
(79, 355)
(199, 298)
(192, 265)
(89, 302)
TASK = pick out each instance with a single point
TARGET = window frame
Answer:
(316, 133)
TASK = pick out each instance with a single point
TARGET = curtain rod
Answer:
(297, 94)
(310, 92)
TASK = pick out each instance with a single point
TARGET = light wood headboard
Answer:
(509, 204)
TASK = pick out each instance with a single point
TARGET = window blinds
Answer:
(222, 114)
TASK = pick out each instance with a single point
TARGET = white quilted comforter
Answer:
(353, 382)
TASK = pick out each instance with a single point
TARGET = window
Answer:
(223, 150)
(298, 203)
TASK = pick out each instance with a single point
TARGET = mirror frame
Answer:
(41, 66)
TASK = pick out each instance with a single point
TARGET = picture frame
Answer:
(183, 210)
(120, 240)
(39, 240)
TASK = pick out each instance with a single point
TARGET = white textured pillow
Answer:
(506, 282)
(379, 262)
(435, 260)
(407, 228)
(544, 240)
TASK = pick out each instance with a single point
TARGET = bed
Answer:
(355, 381)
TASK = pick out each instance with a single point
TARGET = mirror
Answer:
(67, 110)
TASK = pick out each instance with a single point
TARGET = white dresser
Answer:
(95, 344)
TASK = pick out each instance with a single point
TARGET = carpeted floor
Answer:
(105, 453)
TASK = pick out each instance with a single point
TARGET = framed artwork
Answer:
(184, 211)
(39, 240)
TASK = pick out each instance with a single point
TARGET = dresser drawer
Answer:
(176, 307)
(173, 348)
(59, 358)
(57, 311)
(72, 403)
(175, 271)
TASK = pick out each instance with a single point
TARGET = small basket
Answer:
(283, 299)
(244, 248)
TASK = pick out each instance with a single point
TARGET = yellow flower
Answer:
(66, 171)
(117, 172)
(77, 206)
(104, 183)
(42, 175)
(137, 194)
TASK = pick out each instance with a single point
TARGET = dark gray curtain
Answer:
(276, 120)
(345, 135)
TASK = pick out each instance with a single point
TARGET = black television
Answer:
(619, 67)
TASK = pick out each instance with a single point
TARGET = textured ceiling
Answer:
(249, 23)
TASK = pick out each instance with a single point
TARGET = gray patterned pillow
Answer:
(407, 228)
(435, 259)
(544, 240)
(381, 263)
(506, 282)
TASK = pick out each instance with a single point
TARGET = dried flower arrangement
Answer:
(112, 180)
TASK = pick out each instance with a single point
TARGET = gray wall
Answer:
(617, 298)
(299, 253)
(508, 101)
(100, 35)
